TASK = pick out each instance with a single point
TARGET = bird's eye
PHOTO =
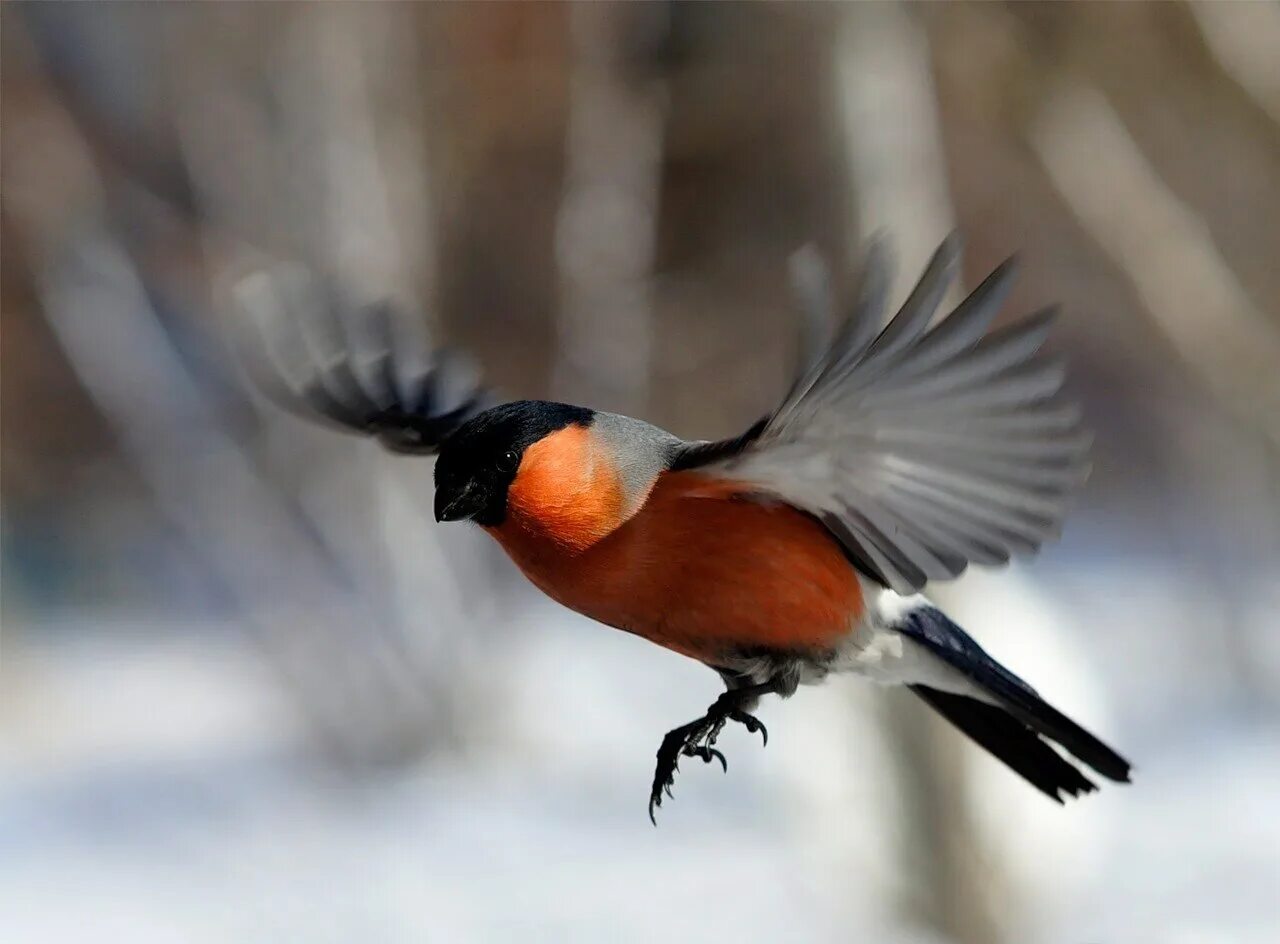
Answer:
(508, 461)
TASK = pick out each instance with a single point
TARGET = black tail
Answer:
(1010, 740)
(1012, 728)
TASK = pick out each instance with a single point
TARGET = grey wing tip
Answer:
(951, 247)
(1046, 315)
(810, 279)
(877, 255)
(944, 264)
(878, 240)
(1084, 472)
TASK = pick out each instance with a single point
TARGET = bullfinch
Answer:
(903, 452)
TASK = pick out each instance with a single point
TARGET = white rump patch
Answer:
(877, 651)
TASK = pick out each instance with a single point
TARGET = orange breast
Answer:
(702, 571)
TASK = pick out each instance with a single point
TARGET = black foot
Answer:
(697, 739)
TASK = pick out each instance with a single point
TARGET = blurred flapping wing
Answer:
(344, 367)
(922, 449)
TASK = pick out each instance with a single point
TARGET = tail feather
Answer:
(1010, 741)
(1019, 717)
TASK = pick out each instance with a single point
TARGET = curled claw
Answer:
(764, 732)
(712, 752)
(752, 724)
(707, 754)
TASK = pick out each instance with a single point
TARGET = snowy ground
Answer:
(153, 789)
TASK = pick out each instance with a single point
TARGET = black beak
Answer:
(456, 504)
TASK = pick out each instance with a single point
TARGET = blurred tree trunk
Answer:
(899, 184)
(607, 226)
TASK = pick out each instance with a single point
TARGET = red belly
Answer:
(703, 572)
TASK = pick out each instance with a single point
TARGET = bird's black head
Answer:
(479, 460)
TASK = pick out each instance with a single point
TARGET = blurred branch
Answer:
(1190, 293)
(367, 708)
(1245, 40)
(1195, 301)
(374, 692)
(343, 164)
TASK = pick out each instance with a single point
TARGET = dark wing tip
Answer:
(1008, 269)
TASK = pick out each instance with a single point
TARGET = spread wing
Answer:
(345, 367)
(921, 448)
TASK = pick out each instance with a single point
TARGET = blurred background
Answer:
(252, 693)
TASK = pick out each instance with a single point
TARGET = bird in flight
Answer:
(903, 452)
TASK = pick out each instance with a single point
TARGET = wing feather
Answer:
(343, 367)
(918, 310)
(923, 449)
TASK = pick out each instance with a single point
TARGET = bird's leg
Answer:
(696, 738)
